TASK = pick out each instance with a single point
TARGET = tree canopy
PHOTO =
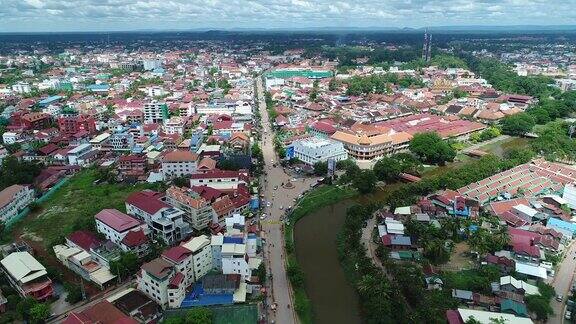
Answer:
(518, 124)
(430, 148)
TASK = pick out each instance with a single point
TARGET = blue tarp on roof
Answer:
(197, 297)
(255, 203)
(49, 100)
(560, 224)
(235, 240)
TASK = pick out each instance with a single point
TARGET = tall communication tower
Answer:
(427, 47)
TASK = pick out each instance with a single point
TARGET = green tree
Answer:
(39, 312)
(430, 148)
(365, 181)
(387, 169)
(321, 168)
(295, 275)
(126, 265)
(539, 305)
(518, 124)
(261, 273)
(74, 293)
(199, 315)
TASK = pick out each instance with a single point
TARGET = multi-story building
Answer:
(121, 141)
(160, 281)
(13, 199)
(75, 155)
(155, 112)
(201, 255)
(220, 179)
(363, 146)
(165, 221)
(313, 150)
(114, 224)
(27, 276)
(72, 124)
(151, 64)
(179, 163)
(36, 120)
(21, 87)
(175, 125)
(182, 260)
(198, 212)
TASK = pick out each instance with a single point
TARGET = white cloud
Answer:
(55, 15)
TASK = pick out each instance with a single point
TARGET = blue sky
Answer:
(107, 15)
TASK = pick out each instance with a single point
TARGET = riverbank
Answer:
(316, 199)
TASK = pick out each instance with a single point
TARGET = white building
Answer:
(201, 255)
(569, 195)
(219, 179)
(155, 91)
(154, 111)
(175, 125)
(21, 87)
(11, 138)
(160, 280)
(312, 150)
(75, 155)
(151, 64)
(164, 221)
(13, 199)
(114, 224)
(179, 163)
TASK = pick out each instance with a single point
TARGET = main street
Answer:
(272, 226)
(562, 281)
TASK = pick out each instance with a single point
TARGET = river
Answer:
(333, 299)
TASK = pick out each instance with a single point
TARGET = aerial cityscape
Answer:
(199, 162)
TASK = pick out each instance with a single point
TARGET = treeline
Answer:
(379, 84)
(14, 171)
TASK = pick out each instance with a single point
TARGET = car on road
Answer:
(281, 207)
(559, 298)
(268, 204)
(568, 315)
(275, 187)
(263, 216)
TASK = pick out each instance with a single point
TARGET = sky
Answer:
(127, 15)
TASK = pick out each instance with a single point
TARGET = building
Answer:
(220, 179)
(165, 221)
(155, 112)
(198, 212)
(13, 199)
(27, 276)
(71, 125)
(160, 281)
(121, 141)
(101, 312)
(114, 224)
(151, 64)
(77, 154)
(175, 125)
(36, 120)
(313, 150)
(182, 260)
(372, 145)
(201, 255)
(179, 163)
(138, 306)
(83, 264)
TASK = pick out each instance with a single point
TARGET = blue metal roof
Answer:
(49, 100)
(235, 240)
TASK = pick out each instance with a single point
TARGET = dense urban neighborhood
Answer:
(166, 180)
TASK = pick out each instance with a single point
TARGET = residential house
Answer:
(220, 179)
(160, 281)
(27, 276)
(198, 211)
(13, 199)
(114, 224)
(179, 163)
(201, 255)
(101, 312)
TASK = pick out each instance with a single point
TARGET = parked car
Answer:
(559, 297)
(568, 315)
(263, 216)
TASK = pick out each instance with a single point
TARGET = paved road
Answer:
(86, 304)
(561, 282)
(281, 292)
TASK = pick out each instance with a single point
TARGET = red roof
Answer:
(177, 279)
(208, 193)
(102, 312)
(324, 127)
(148, 201)
(135, 238)
(453, 317)
(176, 254)
(117, 220)
(84, 239)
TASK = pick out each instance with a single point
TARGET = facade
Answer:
(165, 221)
(160, 281)
(115, 225)
(13, 199)
(121, 141)
(201, 255)
(155, 112)
(361, 146)
(175, 125)
(312, 150)
(198, 212)
(179, 163)
(27, 276)
(70, 125)
(36, 120)
(75, 155)
(220, 179)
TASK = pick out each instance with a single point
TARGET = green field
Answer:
(73, 207)
(237, 314)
